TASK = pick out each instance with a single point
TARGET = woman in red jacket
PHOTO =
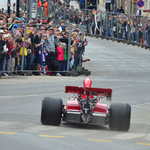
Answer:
(60, 56)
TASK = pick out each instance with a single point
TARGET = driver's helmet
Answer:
(87, 82)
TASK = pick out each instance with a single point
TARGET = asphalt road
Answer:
(123, 68)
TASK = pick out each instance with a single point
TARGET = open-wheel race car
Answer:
(86, 108)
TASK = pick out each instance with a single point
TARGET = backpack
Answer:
(47, 71)
(55, 65)
(39, 69)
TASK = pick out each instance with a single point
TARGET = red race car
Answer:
(85, 108)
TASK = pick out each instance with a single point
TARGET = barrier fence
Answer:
(42, 48)
(122, 27)
(131, 28)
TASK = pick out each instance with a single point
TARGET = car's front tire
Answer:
(51, 111)
(120, 115)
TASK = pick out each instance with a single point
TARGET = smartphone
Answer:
(17, 32)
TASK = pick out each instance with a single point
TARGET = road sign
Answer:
(8, 4)
(140, 3)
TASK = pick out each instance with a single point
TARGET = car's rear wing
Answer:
(89, 91)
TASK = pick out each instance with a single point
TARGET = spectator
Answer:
(67, 3)
(50, 47)
(29, 50)
(117, 11)
(121, 10)
(85, 43)
(9, 41)
(3, 53)
(45, 4)
(25, 54)
(82, 4)
(43, 53)
(64, 39)
(59, 2)
(35, 33)
(148, 32)
(65, 56)
(62, 26)
(13, 55)
(60, 57)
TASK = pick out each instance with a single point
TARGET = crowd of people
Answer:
(114, 24)
(47, 37)
(39, 44)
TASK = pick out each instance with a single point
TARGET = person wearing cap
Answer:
(51, 47)
(65, 38)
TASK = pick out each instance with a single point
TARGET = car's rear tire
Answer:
(51, 112)
(120, 115)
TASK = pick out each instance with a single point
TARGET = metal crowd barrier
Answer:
(28, 59)
(130, 29)
(125, 28)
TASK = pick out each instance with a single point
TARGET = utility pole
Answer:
(8, 5)
(30, 9)
(17, 8)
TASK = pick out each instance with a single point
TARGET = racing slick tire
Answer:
(119, 117)
(51, 111)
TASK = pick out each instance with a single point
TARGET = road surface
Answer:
(124, 68)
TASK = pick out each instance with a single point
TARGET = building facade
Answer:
(130, 6)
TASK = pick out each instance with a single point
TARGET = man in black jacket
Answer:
(64, 39)
(2, 54)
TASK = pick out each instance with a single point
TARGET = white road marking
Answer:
(38, 128)
(30, 95)
(76, 132)
(24, 127)
(128, 136)
(141, 122)
(148, 137)
(99, 140)
(137, 105)
(53, 136)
